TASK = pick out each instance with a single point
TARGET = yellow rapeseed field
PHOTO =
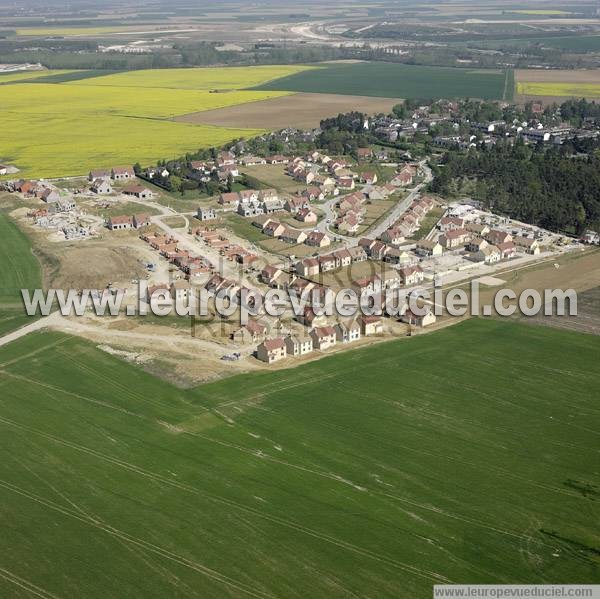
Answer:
(51, 130)
(208, 78)
(578, 90)
(24, 75)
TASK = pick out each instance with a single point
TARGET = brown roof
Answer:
(369, 319)
(119, 220)
(134, 188)
(310, 262)
(324, 331)
(255, 327)
(272, 344)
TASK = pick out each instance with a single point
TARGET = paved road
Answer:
(399, 209)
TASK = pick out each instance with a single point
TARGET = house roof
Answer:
(310, 262)
(134, 188)
(255, 327)
(321, 332)
(455, 233)
(119, 220)
(342, 254)
(409, 270)
(316, 236)
(365, 242)
(273, 344)
(270, 271)
(507, 245)
(369, 319)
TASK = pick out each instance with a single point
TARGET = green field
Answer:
(19, 269)
(466, 455)
(392, 80)
(569, 43)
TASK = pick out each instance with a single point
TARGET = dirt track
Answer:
(297, 110)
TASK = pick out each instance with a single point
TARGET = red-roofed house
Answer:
(271, 350)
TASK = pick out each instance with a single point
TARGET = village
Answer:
(312, 236)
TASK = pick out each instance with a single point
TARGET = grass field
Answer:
(71, 127)
(577, 90)
(395, 81)
(19, 269)
(375, 473)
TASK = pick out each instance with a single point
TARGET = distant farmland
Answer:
(373, 473)
(557, 84)
(396, 81)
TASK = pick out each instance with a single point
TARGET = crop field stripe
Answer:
(236, 506)
(394, 80)
(146, 545)
(300, 467)
(26, 585)
(348, 474)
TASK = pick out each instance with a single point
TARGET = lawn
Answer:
(376, 472)
(578, 90)
(19, 269)
(395, 81)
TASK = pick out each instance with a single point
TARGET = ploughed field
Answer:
(467, 455)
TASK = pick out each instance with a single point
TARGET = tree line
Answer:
(556, 188)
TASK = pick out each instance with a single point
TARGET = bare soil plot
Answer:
(557, 76)
(302, 110)
(587, 319)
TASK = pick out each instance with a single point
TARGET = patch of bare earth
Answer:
(298, 110)
(558, 76)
